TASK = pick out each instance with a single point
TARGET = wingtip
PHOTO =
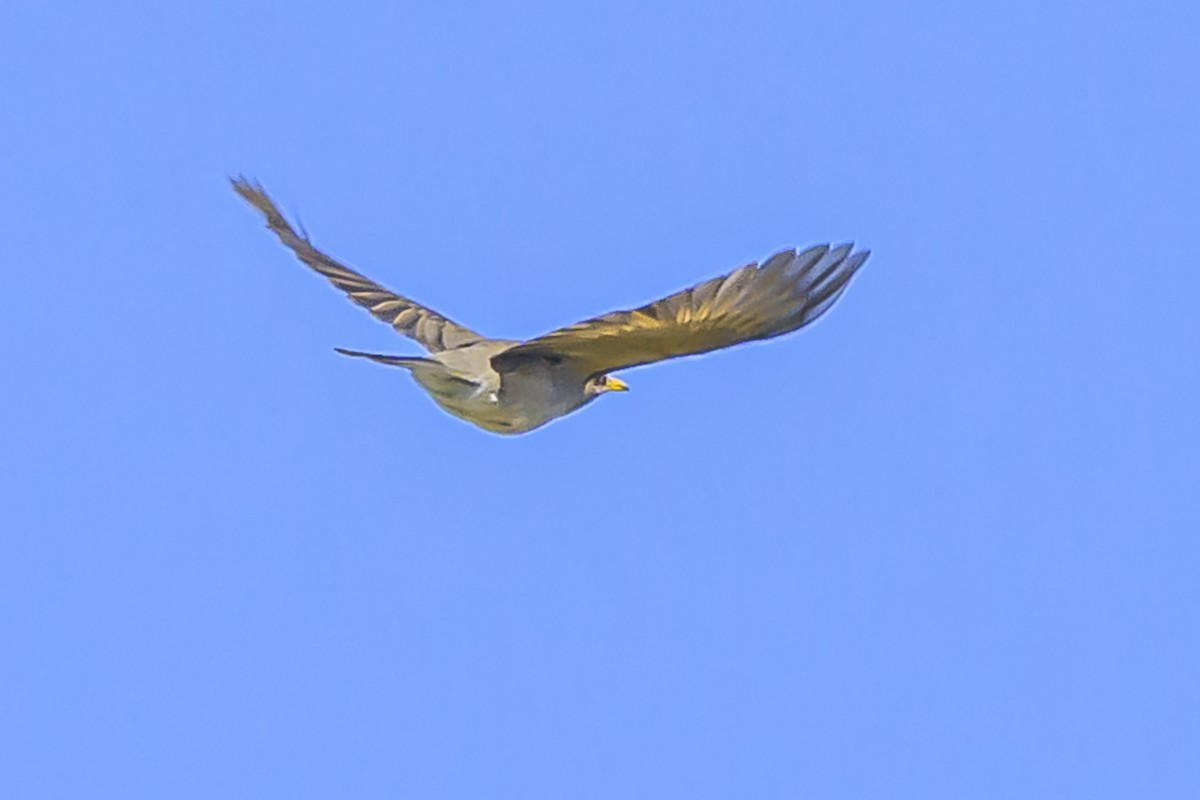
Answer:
(850, 255)
(842, 250)
(246, 187)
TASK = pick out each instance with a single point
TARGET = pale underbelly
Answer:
(492, 416)
(493, 412)
(524, 403)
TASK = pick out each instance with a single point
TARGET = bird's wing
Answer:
(429, 328)
(786, 292)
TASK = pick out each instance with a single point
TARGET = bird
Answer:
(512, 387)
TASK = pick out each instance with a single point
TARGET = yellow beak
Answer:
(617, 385)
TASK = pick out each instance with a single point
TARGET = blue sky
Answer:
(942, 544)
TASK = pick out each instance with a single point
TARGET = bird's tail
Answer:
(408, 362)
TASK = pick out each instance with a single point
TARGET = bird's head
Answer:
(599, 384)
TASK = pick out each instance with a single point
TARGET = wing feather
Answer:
(788, 291)
(430, 329)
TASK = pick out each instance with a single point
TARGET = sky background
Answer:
(944, 543)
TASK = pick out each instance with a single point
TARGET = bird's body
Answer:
(511, 387)
(463, 382)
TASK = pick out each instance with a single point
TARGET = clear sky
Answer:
(942, 544)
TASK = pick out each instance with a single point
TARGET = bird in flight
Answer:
(511, 387)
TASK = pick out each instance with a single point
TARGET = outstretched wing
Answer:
(787, 292)
(429, 328)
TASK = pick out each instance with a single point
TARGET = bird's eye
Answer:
(602, 380)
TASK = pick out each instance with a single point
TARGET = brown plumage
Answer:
(787, 292)
(429, 328)
(512, 387)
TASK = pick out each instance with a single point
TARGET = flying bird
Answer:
(511, 387)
